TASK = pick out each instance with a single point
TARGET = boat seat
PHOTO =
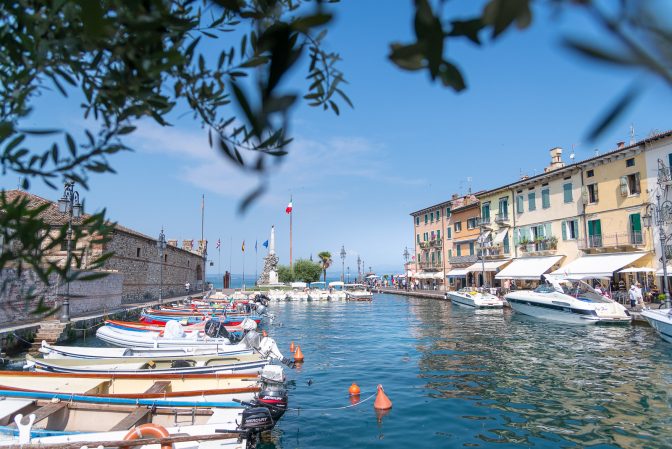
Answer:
(132, 419)
(159, 387)
(46, 411)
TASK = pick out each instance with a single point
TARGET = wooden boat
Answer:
(87, 352)
(202, 388)
(158, 328)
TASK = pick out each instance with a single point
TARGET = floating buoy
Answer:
(382, 401)
(354, 389)
(298, 355)
(291, 347)
(355, 399)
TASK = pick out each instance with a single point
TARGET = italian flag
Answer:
(288, 209)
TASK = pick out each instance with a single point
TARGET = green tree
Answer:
(325, 262)
(285, 274)
(306, 270)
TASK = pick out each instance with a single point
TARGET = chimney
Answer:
(454, 197)
(172, 242)
(620, 145)
(556, 160)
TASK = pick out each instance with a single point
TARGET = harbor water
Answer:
(459, 377)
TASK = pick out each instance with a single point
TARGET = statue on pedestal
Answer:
(269, 275)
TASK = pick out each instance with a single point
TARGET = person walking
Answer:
(633, 294)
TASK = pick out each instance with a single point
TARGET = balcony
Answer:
(456, 260)
(539, 247)
(502, 219)
(493, 252)
(484, 221)
(434, 243)
(431, 265)
(623, 240)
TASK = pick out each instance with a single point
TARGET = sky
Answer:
(407, 144)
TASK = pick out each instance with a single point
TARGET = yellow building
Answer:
(429, 225)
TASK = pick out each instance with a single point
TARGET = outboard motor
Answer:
(256, 419)
(215, 329)
(261, 309)
(274, 398)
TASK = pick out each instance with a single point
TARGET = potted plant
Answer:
(553, 242)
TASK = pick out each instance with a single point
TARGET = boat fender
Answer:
(24, 429)
(148, 430)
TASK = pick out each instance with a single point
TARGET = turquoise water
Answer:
(464, 378)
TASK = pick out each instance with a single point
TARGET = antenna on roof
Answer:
(572, 155)
(632, 134)
(597, 151)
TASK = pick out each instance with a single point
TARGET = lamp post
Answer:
(406, 255)
(343, 254)
(69, 204)
(348, 275)
(359, 272)
(161, 245)
(661, 213)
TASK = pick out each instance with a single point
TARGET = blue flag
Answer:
(265, 244)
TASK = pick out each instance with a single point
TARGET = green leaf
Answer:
(614, 112)
(599, 54)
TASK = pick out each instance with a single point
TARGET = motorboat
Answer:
(661, 321)
(93, 352)
(276, 294)
(298, 292)
(474, 298)
(568, 301)
(318, 292)
(357, 292)
(337, 291)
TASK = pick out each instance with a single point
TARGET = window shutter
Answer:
(637, 184)
(564, 230)
(576, 229)
(595, 190)
(624, 186)
(547, 230)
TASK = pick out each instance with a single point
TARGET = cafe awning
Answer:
(488, 265)
(457, 273)
(528, 268)
(597, 266)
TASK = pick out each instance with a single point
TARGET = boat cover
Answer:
(598, 266)
(528, 268)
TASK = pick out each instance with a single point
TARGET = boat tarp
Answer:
(528, 268)
(457, 273)
(598, 266)
(488, 265)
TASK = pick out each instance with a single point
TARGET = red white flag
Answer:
(288, 209)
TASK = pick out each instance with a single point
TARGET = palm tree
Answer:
(325, 261)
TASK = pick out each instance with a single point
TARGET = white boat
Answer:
(661, 321)
(276, 294)
(298, 292)
(90, 352)
(318, 292)
(357, 292)
(473, 298)
(337, 291)
(568, 301)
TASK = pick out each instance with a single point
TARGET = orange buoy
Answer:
(354, 389)
(291, 347)
(298, 355)
(355, 399)
(382, 401)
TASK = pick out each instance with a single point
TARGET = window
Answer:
(425, 236)
(438, 257)
(450, 253)
(438, 234)
(426, 218)
(504, 207)
(449, 232)
(630, 185)
(630, 162)
(431, 217)
(594, 234)
(459, 250)
(438, 215)
(137, 252)
(507, 247)
(418, 236)
(635, 228)
(187, 263)
(471, 223)
(545, 198)
(419, 257)
(570, 229)
(590, 173)
(520, 200)
(485, 212)
(592, 193)
(433, 258)
(417, 221)
(471, 248)
(458, 226)
(426, 257)
(531, 201)
(447, 212)
(165, 258)
(567, 190)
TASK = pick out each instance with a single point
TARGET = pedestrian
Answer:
(507, 286)
(633, 296)
(513, 285)
(187, 286)
(640, 295)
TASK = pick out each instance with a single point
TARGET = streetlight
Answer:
(661, 213)
(161, 245)
(359, 273)
(343, 254)
(348, 275)
(69, 204)
(406, 255)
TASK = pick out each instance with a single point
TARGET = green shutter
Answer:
(564, 230)
(577, 233)
(548, 231)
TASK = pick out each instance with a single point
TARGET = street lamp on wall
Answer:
(161, 245)
(658, 215)
(69, 204)
(343, 254)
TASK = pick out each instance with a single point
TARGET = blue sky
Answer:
(407, 144)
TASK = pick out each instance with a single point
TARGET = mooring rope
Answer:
(299, 409)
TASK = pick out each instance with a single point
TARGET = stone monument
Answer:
(269, 275)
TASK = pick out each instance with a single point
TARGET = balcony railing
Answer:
(485, 221)
(431, 265)
(502, 218)
(435, 243)
(613, 240)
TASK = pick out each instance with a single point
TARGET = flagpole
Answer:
(203, 250)
(243, 265)
(291, 213)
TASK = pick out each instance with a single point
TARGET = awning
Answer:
(639, 270)
(429, 275)
(457, 273)
(483, 237)
(598, 266)
(489, 265)
(528, 268)
(659, 271)
(499, 238)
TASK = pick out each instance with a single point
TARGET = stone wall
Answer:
(137, 257)
(22, 295)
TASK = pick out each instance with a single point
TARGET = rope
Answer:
(332, 408)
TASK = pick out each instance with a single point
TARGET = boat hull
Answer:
(661, 321)
(476, 302)
(560, 312)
